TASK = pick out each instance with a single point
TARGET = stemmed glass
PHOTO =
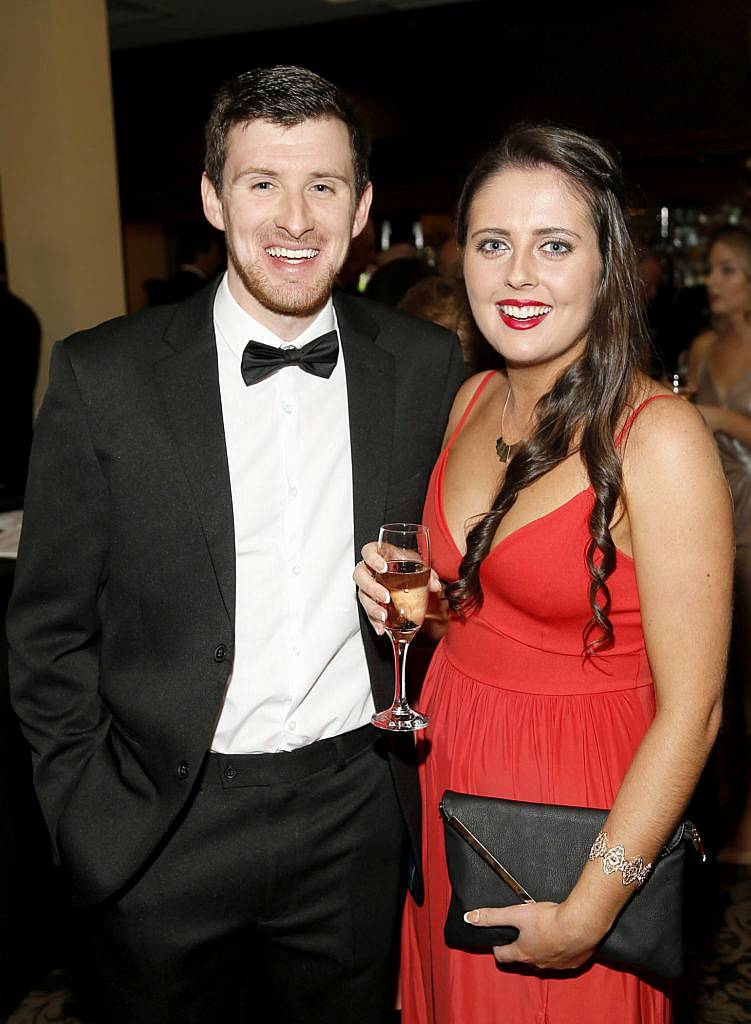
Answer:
(405, 547)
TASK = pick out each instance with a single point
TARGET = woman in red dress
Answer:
(580, 519)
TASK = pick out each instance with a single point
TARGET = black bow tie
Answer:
(318, 357)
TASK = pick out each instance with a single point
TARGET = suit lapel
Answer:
(189, 380)
(370, 395)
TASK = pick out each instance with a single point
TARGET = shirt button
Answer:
(292, 726)
(293, 492)
(287, 407)
(183, 770)
(296, 650)
(220, 652)
(296, 570)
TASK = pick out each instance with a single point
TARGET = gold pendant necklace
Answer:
(503, 449)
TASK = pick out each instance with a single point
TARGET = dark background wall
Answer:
(666, 81)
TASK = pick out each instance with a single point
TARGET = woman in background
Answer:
(720, 369)
(580, 516)
(443, 300)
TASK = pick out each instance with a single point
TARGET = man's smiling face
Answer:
(289, 212)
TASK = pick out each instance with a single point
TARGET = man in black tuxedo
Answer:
(188, 658)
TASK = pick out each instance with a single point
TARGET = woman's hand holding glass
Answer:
(374, 597)
(402, 566)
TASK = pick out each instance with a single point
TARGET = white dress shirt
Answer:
(299, 670)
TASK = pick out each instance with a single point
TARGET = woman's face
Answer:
(728, 281)
(532, 266)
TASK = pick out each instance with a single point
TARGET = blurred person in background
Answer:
(656, 312)
(720, 370)
(22, 335)
(201, 257)
(395, 275)
(449, 261)
(443, 300)
(360, 262)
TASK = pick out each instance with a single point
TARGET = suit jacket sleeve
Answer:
(53, 619)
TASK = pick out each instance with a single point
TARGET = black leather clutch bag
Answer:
(542, 848)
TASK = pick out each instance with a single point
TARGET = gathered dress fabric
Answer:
(516, 711)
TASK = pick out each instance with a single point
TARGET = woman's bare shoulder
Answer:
(674, 485)
(667, 438)
(659, 415)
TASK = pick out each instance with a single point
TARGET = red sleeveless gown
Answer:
(516, 712)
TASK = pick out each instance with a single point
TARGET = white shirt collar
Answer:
(238, 327)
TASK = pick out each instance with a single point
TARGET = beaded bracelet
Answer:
(614, 859)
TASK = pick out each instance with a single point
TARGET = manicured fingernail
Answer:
(387, 599)
(472, 916)
(383, 567)
(383, 616)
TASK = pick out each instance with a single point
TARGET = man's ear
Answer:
(362, 210)
(212, 206)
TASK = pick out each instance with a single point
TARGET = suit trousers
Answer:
(276, 897)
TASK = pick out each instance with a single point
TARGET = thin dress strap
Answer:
(632, 416)
(470, 405)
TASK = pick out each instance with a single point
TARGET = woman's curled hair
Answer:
(587, 400)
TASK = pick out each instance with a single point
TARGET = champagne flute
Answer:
(405, 547)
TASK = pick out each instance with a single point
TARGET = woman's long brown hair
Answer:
(588, 399)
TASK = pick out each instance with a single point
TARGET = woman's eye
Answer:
(556, 247)
(493, 246)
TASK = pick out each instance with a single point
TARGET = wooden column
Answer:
(58, 175)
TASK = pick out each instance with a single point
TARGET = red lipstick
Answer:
(517, 323)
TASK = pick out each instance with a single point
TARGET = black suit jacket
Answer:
(121, 624)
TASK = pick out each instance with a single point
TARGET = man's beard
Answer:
(291, 299)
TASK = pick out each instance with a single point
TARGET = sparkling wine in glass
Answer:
(405, 547)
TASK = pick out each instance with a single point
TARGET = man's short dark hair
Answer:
(284, 95)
